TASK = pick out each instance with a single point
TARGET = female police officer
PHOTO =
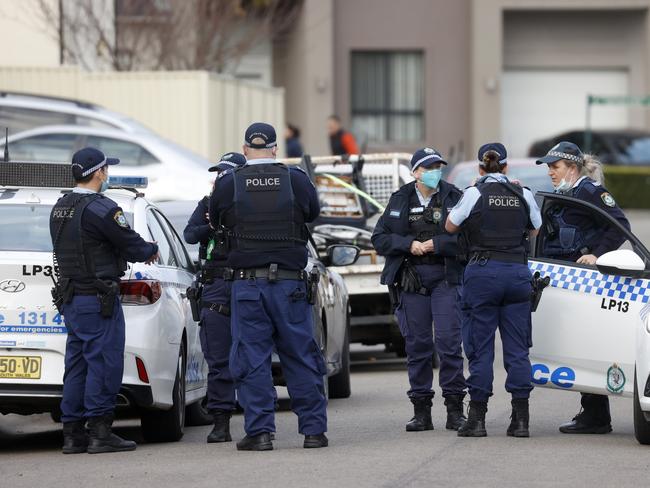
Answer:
(495, 216)
(421, 263)
(573, 235)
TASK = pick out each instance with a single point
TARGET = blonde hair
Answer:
(592, 168)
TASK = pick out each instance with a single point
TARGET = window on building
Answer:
(388, 95)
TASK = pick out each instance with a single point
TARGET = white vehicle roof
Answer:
(74, 107)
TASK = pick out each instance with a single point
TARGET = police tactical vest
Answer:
(425, 223)
(264, 215)
(566, 240)
(499, 219)
(80, 257)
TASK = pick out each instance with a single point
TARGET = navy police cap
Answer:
(260, 136)
(498, 148)
(229, 161)
(426, 157)
(88, 160)
(563, 150)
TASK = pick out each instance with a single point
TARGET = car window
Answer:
(167, 257)
(178, 249)
(45, 147)
(18, 119)
(27, 227)
(129, 153)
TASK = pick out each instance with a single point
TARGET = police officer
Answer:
(264, 207)
(496, 217)
(572, 234)
(92, 243)
(421, 265)
(215, 309)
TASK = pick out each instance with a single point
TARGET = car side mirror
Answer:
(622, 262)
(342, 255)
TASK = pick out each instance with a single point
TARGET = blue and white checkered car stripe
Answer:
(593, 282)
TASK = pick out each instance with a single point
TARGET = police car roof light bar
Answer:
(128, 182)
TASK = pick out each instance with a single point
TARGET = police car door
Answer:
(585, 329)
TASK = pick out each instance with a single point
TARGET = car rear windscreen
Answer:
(27, 227)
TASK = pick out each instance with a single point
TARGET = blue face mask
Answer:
(431, 178)
(104, 186)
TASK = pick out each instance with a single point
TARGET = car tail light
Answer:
(142, 371)
(140, 292)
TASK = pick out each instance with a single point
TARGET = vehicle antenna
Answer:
(6, 144)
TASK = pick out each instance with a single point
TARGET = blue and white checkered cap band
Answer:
(563, 155)
(593, 282)
(425, 158)
(93, 169)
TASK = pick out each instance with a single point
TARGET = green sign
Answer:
(618, 100)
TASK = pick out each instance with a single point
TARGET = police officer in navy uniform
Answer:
(572, 234)
(496, 216)
(92, 243)
(215, 309)
(264, 207)
(421, 264)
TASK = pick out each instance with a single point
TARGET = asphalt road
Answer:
(368, 445)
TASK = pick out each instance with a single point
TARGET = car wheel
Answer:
(641, 425)
(339, 384)
(168, 425)
(197, 413)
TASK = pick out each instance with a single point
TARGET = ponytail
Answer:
(490, 162)
(592, 168)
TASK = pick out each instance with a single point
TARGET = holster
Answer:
(312, 285)
(539, 284)
(393, 296)
(194, 293)
(107, 292)
(62, 292)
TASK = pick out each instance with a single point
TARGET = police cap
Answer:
(88, 160)
(563, 150)
(229, 161)
(260, 136)
(498, 148)
(426, 157)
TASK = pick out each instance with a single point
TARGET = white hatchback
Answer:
(165, 375)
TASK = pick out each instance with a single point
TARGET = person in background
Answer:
(292, 141)
(342, 142)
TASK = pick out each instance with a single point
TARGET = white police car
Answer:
(591, 331)
(165, 375)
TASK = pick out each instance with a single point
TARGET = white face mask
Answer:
(564, 185)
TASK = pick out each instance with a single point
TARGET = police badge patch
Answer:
(120, 219)
(615, 379)
(608, 199)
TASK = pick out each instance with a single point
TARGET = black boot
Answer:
(75, 440)
(593, 418)
(102, 438)
(422, 415)
(261, 442)
(519, 418)
(221, 430)
(455, 415)
(475, 425)
(315, 441)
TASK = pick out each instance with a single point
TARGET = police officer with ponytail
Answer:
(214, 306)
(92, 243)
(572, 234)
(422, 271)
(496, 217)
(263, 207)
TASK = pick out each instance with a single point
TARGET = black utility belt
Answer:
(505, 257)
(99, 287)
(210, 273)
(272, 273)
